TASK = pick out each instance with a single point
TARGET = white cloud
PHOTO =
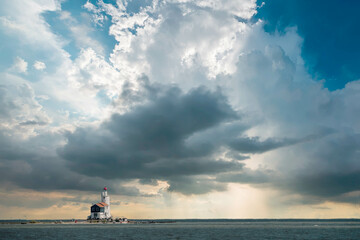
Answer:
(244, 8)
(169, 47)
(97, 17)
(24, 19)
(39, 65)
(20, 112)
(20, 65)
(81, 31)
(93, 73)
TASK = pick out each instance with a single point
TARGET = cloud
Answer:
(149, 140)
(91, 73)
(246, 175)
(33, 164)
(30, 26)
(243, 9)
(152, 182)
(81, 31)
(332, 171)
(97, 17)
(195, 185)
(320, 165)
(254, 145)
(26, 201)
(173, 136)
(19, 110)
(20, 65)
(237, 156)
(25, 26)
(39, 65)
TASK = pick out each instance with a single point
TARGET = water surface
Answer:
(190, 229)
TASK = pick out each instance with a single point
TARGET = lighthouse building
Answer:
(101, 210)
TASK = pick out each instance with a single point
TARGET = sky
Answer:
(182, 108)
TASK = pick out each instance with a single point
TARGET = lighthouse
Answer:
(101, 210)
(106, 199)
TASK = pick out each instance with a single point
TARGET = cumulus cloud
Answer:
(20, 65)
(97, 17)
(20, 112)
(39, 65)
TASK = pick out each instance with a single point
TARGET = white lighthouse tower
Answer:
(106, 199)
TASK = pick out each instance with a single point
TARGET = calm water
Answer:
(243, 229)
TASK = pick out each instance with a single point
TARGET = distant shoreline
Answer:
(75, 222)
(157, 221)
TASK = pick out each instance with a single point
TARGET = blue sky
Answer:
(223, 106)
(330, 35)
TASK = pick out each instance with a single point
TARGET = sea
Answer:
(189, 229)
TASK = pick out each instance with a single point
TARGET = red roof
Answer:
(101, 204)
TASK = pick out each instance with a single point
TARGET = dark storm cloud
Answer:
(231, 135)
(28, 165)
(10, 149)
(247, 175)
(195, 185)
(153, 141)
(334, 168)
(327, 184)
(255, 145)
(33, 164)
(328, 170)
(171, 136)
(149, 141)
(237, 156)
